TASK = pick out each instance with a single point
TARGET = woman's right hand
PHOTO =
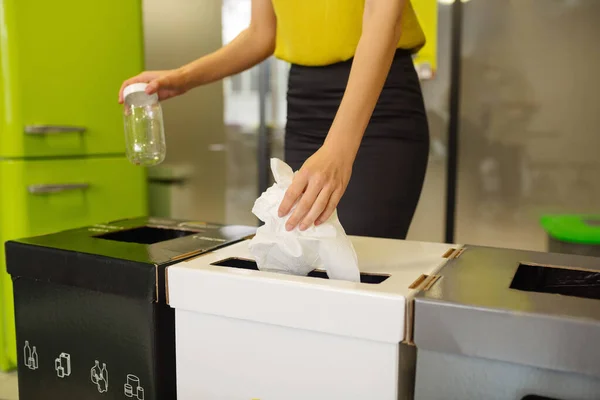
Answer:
(167, 84)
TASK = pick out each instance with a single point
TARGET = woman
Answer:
(355, 106)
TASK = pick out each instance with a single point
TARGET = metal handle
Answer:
(44, 189)
(52, 129)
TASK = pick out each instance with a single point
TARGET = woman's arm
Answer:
(323, 178)
(253, 45)
(371, 65)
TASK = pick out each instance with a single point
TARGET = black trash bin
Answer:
(90, 307)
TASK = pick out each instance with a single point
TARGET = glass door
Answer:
(254, 115)
(529, 121)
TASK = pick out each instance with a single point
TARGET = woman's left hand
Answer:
(317, 187)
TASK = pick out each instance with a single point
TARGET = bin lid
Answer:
(226, 282)
(525, 307)
(582, 229)
(122, 257)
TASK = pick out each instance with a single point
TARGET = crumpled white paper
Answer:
(299, 252)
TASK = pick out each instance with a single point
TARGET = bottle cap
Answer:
(133, 88)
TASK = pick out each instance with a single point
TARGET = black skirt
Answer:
(389, 169)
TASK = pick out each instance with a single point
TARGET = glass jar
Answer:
(144, 127)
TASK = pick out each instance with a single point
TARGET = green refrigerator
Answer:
(62, 150)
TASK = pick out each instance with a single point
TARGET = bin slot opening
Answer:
(146, 235)
(568, 282)
(251, 265)
(592, 222)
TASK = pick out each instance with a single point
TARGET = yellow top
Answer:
(323, 32)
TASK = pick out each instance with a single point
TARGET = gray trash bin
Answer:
(573, 234)
(504, 324)
(166, 183)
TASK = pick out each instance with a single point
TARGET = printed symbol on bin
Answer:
(133, 387)
(62, 365)
(99, 377)
(31, 357)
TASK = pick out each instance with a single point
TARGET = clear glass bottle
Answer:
(144, 126)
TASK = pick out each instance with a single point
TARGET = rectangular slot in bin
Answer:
(251, 265)
(567, 282)
(592, 222)
(146, 235)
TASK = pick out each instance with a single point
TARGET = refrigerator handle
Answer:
(52, 129)
(56, 188)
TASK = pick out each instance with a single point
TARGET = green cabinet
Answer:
(76, 193)
(62, 149)
(61, 65)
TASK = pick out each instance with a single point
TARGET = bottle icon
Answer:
(96, 373)
(104, 374)
(34, 359)
(99, 377)
(144, 126)
(27, 354)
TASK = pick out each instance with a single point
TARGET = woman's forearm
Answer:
(371, 65)
(248, 49)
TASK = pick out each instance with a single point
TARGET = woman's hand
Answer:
(318, 186)
(167, 84)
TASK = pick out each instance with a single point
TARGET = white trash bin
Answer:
(247, 334)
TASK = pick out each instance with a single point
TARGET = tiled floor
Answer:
(8, 386)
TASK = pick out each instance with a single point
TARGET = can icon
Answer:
(133, 388)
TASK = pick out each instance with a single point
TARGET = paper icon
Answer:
(62, 365)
